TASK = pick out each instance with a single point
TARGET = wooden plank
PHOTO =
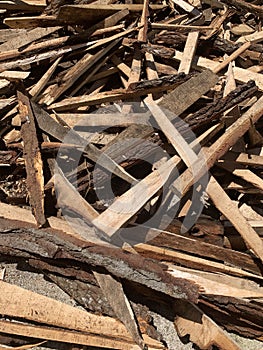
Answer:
(18, 302)
(27, 38)
(32, 22)
(14, 75)
(142, 36)
(232, 57)
(190, 260)
(33, 160)
(118, 94)
(244, 158)
(39, 86)
(92, 13)
(181, 27)
(189, 52)
(71, 337)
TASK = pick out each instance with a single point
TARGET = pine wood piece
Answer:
(14, 75)
(40, 85)
(232, 57)
(72, 337)
(189, 52)
(180, 27)
(33, 160)
(142, 35)
(18, 302)
(189, 260)
(253, 38)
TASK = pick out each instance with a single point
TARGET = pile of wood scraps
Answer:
(131, 161)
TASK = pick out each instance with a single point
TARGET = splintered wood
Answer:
(131, 184)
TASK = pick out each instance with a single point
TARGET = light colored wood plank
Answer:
(229, 209)
(189, 52)
(14, 75)
(27, 38)
(128, 204)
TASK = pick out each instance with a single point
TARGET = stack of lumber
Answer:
(131, 161)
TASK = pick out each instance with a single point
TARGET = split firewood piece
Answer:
(49, 125)
(33, 161)
(26, 38)
(121, 66)
(203, 331)
(77, 14)
(142, 36)
(213, 111)
(40, 85)
(233, 214)
(52, 54)
(189, 52)
(188, 8)
(234, 113)
(217, 23)
(128, 204)
(75, 73)
(114, 293)
(134, 76)
(253, 38)
(151, 71)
